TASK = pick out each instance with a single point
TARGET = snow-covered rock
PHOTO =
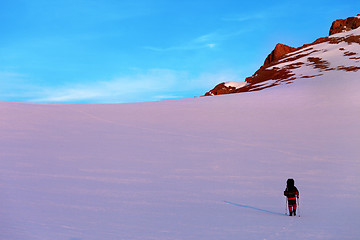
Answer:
(344, 25)
(333, 55)
(226, 88)
(235, 84)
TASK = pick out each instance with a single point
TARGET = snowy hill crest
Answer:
(338, 52)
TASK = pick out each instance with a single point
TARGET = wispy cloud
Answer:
(192, 45)
(206, 41)
(281, 9)
(138, 87)
(206, 38)
(151, 85)
(141, 85)
(245, 17)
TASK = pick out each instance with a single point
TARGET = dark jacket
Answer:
(291, 192)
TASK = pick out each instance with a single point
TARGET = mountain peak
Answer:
(344, 25)
(279, 51)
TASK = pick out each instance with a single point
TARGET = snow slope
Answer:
(327, 57)
(163, 170)
(338, 54)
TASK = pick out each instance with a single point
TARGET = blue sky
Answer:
(92, 51)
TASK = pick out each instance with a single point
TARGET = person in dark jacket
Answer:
(291, 192)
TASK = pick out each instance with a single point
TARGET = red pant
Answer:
(292, 208)
(292, 204)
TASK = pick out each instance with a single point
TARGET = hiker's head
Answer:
(290, 182)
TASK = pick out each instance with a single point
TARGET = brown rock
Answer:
(221, 89)
(261, 75)
(344, 25)
(279, 51)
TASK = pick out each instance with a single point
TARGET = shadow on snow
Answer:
(255, 208)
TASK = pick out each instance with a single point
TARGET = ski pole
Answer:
(286, 206)
(298, 203)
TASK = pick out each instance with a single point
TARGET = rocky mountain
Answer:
(344, 25)
(340, 51)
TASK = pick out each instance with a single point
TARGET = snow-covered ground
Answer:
(163, 170)
(235, 84)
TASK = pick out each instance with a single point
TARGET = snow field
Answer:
(163, 170)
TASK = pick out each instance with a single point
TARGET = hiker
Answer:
(291, 192)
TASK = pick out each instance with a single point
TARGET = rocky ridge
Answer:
(344, 25)
(285, 64)
(279, 51)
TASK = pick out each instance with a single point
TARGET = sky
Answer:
(108, 51)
